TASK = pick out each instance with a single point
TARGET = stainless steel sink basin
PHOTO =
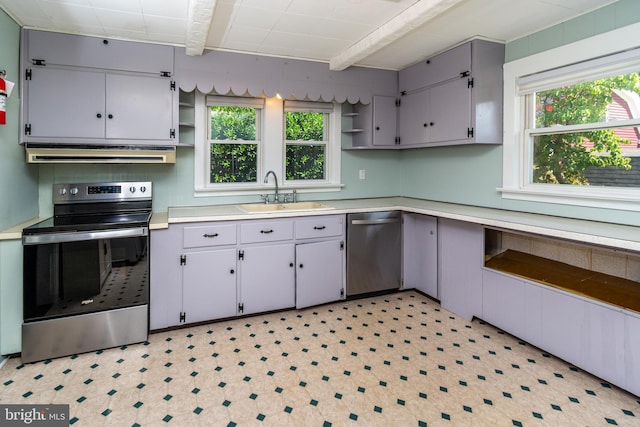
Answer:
(283, 207)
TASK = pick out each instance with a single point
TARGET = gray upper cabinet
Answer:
(373, 125)
(80, 90)
(454, 98)
(95, 52)
(448, 65)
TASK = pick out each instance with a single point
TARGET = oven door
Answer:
(75, 273)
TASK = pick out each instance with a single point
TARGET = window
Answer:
(243, 138)
(306, 140)
(233, 141)
(575, 127)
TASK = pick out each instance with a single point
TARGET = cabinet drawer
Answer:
(266, 231)
(321, 226)
(209, 235)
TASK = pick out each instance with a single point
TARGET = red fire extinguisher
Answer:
(3, 102)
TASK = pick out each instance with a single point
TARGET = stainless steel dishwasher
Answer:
(373, 252)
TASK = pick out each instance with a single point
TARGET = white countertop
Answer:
(592, 232)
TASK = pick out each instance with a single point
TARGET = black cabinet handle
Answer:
(266, 231)
(377, 127)
(425, 124)
(99, 115)
(301, 265)
(232, 271)
(110, 116)
(322, 227)
(210, 235)
(105, 41)
(431, 123)
(291, 264)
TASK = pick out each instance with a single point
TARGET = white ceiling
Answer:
(389, 34)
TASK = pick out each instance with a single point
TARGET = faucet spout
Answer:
(275, 178)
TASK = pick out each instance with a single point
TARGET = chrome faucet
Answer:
(266, 180)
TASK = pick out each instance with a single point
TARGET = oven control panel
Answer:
(103, 191)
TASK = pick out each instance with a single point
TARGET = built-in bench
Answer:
(603, 287)
(582, 306)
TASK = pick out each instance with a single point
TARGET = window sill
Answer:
(254, 190)
(601, 197)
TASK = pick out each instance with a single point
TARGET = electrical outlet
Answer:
(361, 174)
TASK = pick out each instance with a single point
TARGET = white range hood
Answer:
(100, 154)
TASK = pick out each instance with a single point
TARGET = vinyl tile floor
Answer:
(392, 360)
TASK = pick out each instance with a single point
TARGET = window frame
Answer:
(271, 150)
(327, 110)
(569, 63)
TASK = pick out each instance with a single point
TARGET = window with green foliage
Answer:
(580, 128)
(306, 140)
(233, 140)
(239, 139)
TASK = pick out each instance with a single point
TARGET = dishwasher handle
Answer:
(374, 221)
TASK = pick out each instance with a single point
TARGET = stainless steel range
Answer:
(86, 271)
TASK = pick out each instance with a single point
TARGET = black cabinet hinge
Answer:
(183, 260)
(341, 292)
(342, 245)
(39, 62)
(398, 102)
(470, 83)
(27, 74)
(403, 93)
(465, 74)
(172, 85)
(397, 140)
(183, 317)
(240, 255)
(240, 308)
(172, 133)
(165, 74)
(469, 132)
(27, 129)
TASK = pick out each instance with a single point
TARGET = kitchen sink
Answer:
(283, 207)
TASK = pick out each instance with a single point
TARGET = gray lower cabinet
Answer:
(420, 253)
(209, 285)
(213, 270)
(267, 278)
(319, 272)
(460, 258)
(320, 260)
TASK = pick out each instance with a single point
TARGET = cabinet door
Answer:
(165, 278)
(420, 253)
(604, 355)
(564, 325)
(139, 107)
(65, 103)
(450, 111)
(319, 273)
(632, 352)
(460, 255)
(97, 52)
(442, 67)
(414, 118)
(384, 120)
(503, 303)
(267, 278)
(209, 285)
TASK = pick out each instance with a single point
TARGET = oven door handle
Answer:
(41, 239)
